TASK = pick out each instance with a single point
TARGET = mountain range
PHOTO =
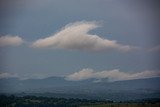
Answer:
(90, 89)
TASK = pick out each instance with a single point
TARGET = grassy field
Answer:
(126, 105)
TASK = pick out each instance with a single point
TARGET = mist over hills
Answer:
(91, 89)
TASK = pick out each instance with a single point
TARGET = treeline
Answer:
(34, 101)
(39, 101)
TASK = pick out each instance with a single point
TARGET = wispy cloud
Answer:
(76, 36)
(112, 75)
(9, 40)
(155, 48)
(7, 75)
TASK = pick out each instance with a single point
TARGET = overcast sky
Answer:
(42, 38)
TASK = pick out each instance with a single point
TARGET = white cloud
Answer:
(75, 36)
(112, 75)
(9, 40)
(7, 75)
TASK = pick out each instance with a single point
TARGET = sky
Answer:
(79, 39)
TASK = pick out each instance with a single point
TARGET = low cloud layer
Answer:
(9, 40)
(112, 75)
(76, 36)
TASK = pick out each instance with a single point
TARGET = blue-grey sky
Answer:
(132, 23)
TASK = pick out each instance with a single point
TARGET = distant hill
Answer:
(59, 87)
